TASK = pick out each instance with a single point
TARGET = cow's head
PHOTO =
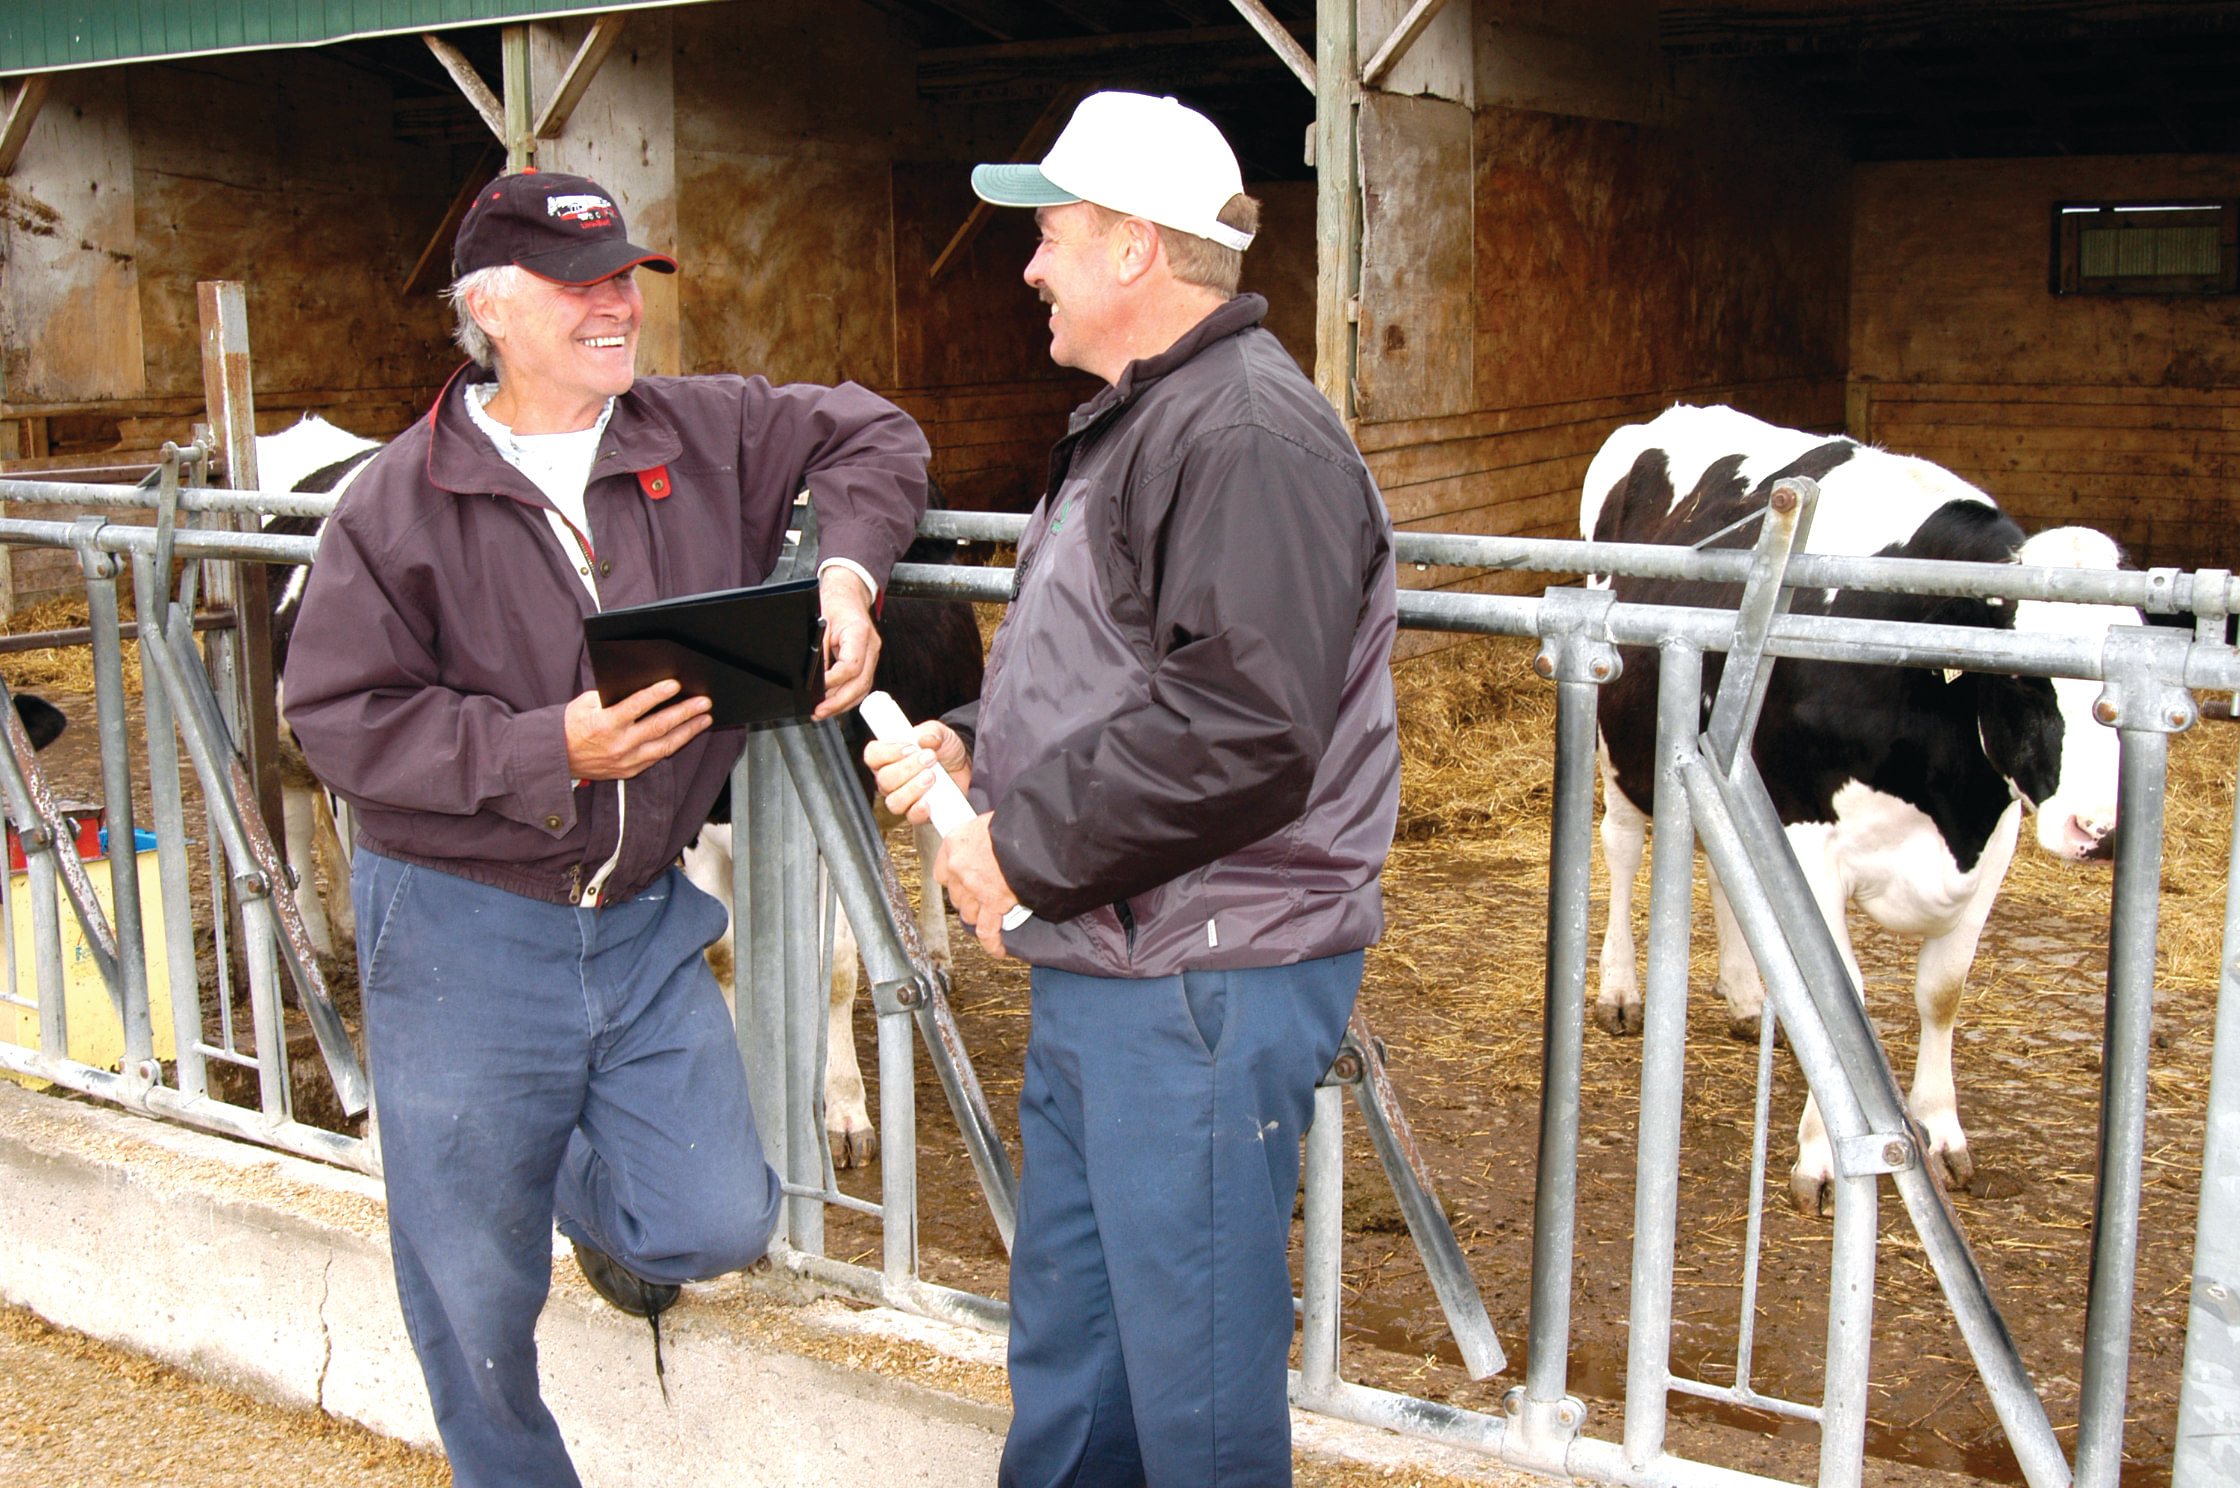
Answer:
(2079, 815)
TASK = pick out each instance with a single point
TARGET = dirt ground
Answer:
(1455, 992)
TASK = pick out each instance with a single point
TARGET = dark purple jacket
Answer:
(1187, 729)
(441, 634)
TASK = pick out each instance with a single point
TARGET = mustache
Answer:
(1046, 297)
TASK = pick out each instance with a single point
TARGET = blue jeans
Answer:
(1151, 1315)
(534, 1061)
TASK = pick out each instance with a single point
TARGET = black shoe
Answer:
(632, 1293)
(624, 1288)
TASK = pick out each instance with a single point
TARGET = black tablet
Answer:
(755, 653)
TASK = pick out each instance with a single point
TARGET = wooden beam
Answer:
(582, 68)
(1286, 45)
(23, 112)
(433, 268)
(470, 83)
(1420, 15)
(520, 108)
(1033, 147)
(1337, 221)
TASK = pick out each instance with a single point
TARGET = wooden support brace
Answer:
(1420, 15)
(1033, 147)
(470, 83)
(22, 113)
(582, 68)
(433, 268)
(520, 134)
(1286, 45)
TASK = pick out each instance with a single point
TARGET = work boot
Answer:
(632, 1293)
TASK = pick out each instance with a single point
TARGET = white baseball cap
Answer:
(1144, 156)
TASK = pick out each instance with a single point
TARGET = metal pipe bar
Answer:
(1321, 1267)
(1813, 637)
(193, 542)
(1664, 1043)
(1753, 1238)
(758, 935)
(2133, 915)
(922, 1298)
(191, 498)
(1843, 1385)
(2207, 1453)
(828, 1194)
(116, 805)
(174, 869)
(1748, 1398)
(2161, 590)
(807, 1003)
(1747, 672)
(1555, 1202)
(194, 1110)
(1412, 1185)
(82, 635)
(898, 1150)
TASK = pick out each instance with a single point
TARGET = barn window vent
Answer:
(2167, 247)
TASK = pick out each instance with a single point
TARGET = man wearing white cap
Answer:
(1185, 753)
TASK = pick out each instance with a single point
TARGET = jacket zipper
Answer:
(1127, 922)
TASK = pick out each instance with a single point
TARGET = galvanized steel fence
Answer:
(801, 807)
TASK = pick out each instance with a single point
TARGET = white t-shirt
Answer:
(560, 464)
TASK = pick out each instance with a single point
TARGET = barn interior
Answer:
(1998, 233)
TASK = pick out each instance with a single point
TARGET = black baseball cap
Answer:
(558, 227)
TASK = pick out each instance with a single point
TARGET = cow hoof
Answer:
(1812, 1195)
(854, 1149)
(1953, 1169)
(1618, 1019)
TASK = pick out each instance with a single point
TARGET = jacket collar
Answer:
(462, 460)
(1236, 314)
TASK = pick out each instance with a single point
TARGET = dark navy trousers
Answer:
(1151, 1314)
(534, 1062)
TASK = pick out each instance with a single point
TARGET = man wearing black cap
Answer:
(545, 1039)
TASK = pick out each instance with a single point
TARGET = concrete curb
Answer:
(271, 1274)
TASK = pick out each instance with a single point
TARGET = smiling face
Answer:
(563, 349)
(1073, 272)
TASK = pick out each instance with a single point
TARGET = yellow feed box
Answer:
(96, 1038)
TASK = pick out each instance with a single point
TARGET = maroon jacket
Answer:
(441, 633)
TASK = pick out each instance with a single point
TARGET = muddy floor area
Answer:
(1455, 992)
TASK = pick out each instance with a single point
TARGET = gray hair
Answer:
(498, 280)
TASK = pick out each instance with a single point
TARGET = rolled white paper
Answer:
(944, 802)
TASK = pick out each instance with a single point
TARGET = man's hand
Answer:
(620, 742)
(904, 773)
(851, 641)
(966, 866)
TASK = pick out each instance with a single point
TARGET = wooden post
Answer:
(227, 391)
(1337, 228)
(521, 132)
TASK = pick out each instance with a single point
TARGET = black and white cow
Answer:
(1902, 788)
(930, 662)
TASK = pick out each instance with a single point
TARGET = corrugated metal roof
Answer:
(50, 35)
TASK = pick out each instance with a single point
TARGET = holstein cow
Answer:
(929, 662)
(1902, 788)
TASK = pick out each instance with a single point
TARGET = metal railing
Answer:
(802, 807)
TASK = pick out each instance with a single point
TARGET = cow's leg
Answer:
(933, 908)
(707, 863)
(847, 1114)
(1938, 981)
(1739, 982)
(300, 826)
(1811, 1181)
(332, 830)
(1617, 1010)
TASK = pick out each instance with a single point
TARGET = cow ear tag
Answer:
(655, 482)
